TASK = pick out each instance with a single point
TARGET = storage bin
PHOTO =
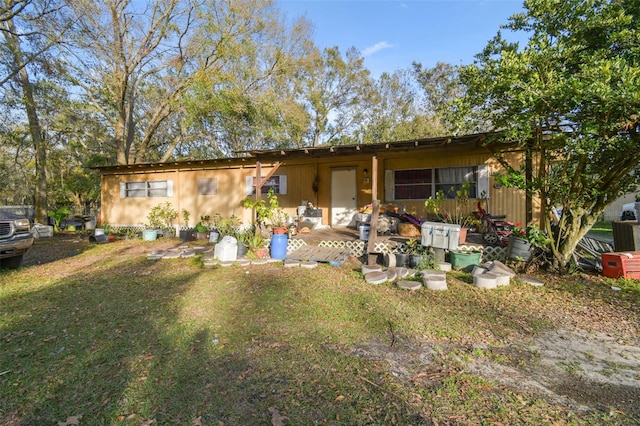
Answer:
(621, 265)
(440, 235)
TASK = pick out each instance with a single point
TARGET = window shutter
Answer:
(123, 189)
(283, 184)
(389, 193)
(248, 185)
(483, 181)
(169, 188)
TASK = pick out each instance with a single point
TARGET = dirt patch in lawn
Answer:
(583, 372)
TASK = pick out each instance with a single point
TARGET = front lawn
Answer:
(102, 335)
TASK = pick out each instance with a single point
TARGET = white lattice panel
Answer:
(126, 228)
(357, 248)
(489, 253)
(294, 245)
(494, 253)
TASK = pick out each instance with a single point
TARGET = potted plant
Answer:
(227, 226)
(186, 234)
(402, 256)
(523, 241)
(202, 227)
(242, 236)
(268, 212)
(256, 244)
(415, 251)
(161, 218)
(457, 210)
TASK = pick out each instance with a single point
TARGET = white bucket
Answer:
(364, 231)
(98, 231)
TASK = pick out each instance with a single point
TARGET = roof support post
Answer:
(260, 181)
(375, 204)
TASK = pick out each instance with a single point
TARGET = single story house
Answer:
(338, 180)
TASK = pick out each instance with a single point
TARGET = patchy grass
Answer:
(103, 333)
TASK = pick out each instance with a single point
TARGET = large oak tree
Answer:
(569, 96)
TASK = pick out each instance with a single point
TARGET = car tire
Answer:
(11, 262)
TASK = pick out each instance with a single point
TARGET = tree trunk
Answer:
(35, 130)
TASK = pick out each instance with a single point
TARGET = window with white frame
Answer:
(420, 184)
(276, 182)
(450, 179)
(141, 189)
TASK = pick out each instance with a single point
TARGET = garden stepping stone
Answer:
(392, 275)
(172, 254)
(478, 270)
(486, 280)
(409, 285)
(531, 281)
(444, 266)
(291, 263)
(308, 264)
(259, 261)
(500, 268)
(155, 254)
(389, 260)
(188, 253)
(242, 262)
(502, 279)
(370, 268)
(376, 277)
(435, 280)
(226, 263)
(402, 272)
(434, 274)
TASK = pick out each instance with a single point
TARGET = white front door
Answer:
(343, 197)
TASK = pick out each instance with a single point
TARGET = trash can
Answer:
(364, 229)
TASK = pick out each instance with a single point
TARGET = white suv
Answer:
(629, 212)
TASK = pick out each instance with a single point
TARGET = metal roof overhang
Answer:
(247, 158)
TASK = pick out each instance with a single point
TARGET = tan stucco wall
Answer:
(301, 174)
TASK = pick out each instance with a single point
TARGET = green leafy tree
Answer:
(441, 85)
(395, 111)
(570, 98)
(335, 92)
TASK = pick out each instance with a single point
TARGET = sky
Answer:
(391, 34)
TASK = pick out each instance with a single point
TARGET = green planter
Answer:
(464, 260)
